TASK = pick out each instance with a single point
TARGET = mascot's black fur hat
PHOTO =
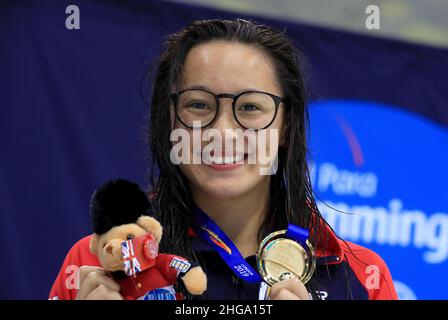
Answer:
(115, 203)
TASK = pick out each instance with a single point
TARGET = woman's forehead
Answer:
(229, 67)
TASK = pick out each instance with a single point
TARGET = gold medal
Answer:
(280, 258)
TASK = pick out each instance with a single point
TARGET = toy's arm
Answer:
(174, 267)
(195, 280)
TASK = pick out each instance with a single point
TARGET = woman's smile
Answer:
(224, 162)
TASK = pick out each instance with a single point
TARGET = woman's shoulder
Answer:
(352, 251)
(80, 254)
(370, 269)
(66, 283)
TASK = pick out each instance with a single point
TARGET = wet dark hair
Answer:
(291, 197)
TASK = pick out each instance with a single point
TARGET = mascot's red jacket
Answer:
(156, 283)
(161, 276)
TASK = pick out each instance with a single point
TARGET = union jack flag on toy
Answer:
(131, 264)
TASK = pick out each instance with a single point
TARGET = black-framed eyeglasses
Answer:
(251, 109)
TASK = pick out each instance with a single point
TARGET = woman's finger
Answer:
(293, 285)
(285, 294)
(95, 279)
(84, 271)
(102, 292)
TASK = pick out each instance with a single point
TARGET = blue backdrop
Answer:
(71, 118)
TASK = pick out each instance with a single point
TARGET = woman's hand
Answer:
(97, 284)
(290, 289)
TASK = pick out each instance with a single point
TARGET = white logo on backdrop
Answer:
(391, 224)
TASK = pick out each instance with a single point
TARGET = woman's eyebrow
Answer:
(202, 87)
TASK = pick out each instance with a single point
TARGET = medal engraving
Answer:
(280, 258)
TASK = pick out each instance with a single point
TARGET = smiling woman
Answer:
(230, 75)
(224, 66)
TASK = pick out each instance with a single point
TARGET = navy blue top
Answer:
(331, 281)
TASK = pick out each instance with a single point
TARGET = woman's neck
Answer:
(240, 218)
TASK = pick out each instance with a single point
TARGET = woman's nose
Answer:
(224, 118)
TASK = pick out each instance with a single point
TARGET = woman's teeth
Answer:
(239, 158)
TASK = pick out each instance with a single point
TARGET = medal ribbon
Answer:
(209, 231)
(297, 233)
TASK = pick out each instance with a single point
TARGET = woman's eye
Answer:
(130, 237)
(198, 106)
(249, 107)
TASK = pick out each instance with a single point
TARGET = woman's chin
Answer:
(224, 185)
(227, 189)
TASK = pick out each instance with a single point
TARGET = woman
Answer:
(221, 75)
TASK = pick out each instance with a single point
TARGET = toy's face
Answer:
(108, 245)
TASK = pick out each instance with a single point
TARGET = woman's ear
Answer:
(151, 225)
(94, 244)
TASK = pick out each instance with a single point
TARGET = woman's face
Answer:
(228, 67)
